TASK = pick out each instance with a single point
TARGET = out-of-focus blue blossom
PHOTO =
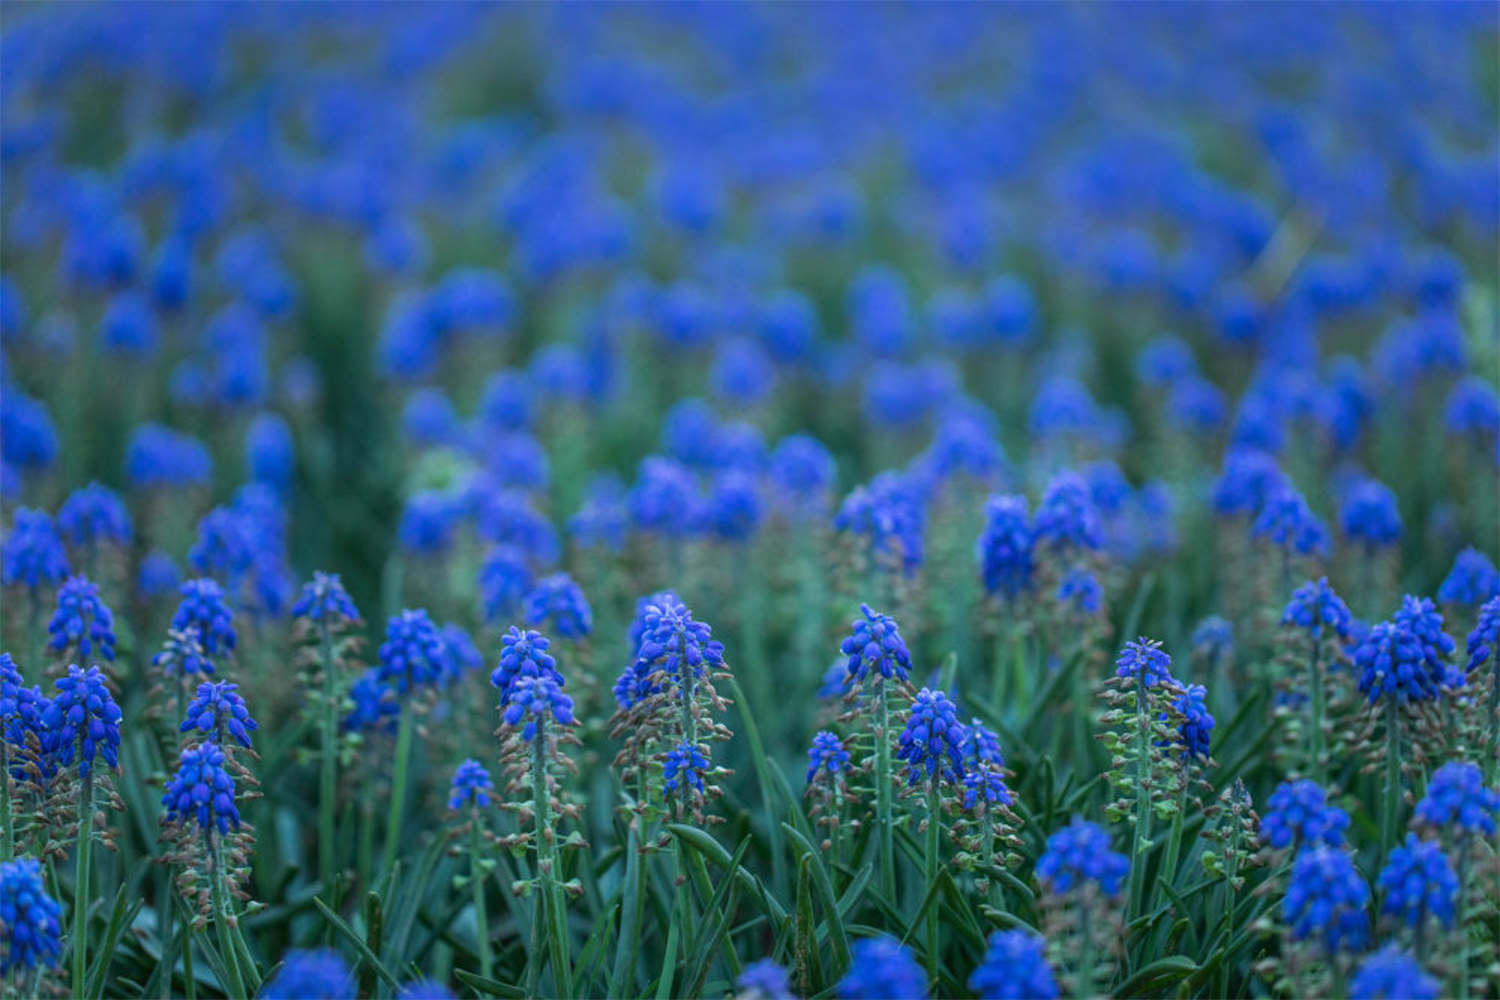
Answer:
(665, 498)
(734, 507)
(932, 742)
(412, 654)
(1485, 638)
(1368, 513)
(202, 790)
(508, 517)
(33, 935)
(1298, 813)
(788, 325)
(1014, 967)
(533, 699)
(508, 402)
(429, 418)
(1457, 799)
(1004, 547)
(965, 443)
(1420, 617)
(1418, 882)
(559, 602)
(28, 441)
(129, 326)
(1288, 523)
(461, 656)
(881, 968)
(203, 607)
(424, 989)
(504, 582)
(900, 396)
(1392, 974)
(428, 522)
(270, 452)
(1145, 661)
(1081, 591)
(561, 374)
(1473, 580)
(1010, 309)
(1249, 480)
(158, 575)
(92, 515)
(1473, 408)
(875, 643)
(33, 554)
(1213, 640)
(374, 703)
(742, 373)
(1067, 519)
(226, 546)
(1411, 350)
(85, 720)
(880, 313)
(310, 975)
(104, 252)
(397, 246)
(171, 278)
(1163, 361)
(158, 456)
(690, 434)
(684, 767)
(602, 518)
(828, 755)
(1327, 899)
(801, 473)
(182, 654)
(323, 598)
(888, 512)
(764, 980)
(1315, 607)
(218, 711)
(836, 681)
(82, 621)
(1080, 853)
(1196, 405)
(471, 786)
(1063, 410)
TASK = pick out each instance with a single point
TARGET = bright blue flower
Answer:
(888, 512)
(1014, 967)
(424, 989)
(1144, 660)
(985, 783)
(1418, 882)
(1213, 640)
(310, 975)
(323, 598)
(1080, 853)
(158, 575)
(270, 451)
(82, 621)
(982, 746)
(33, 554)
(1289, 524)
(734, 507)
(1067, 519)
(788, 325)
(94, 514)
(129, 326)
(1004, 547)
(1196, 405)
(226, 546)
(508, 517)
(1163, 360)
(1473, 580)
(461, 656)
(602, 518)
(670, 637)
(1011, 309)
(429, 418)
(686, 765)
(881, 968)
(535, 698)
(471, 786)
(1298, 813)
(182, 654)
(428, 522)
(85, 719)
(375, 704)
(1485, 638)
(1473, 407)
(1326, 899)
(412, 654)
(1456, 797)
(836, 681)
(1249, 480)
(1390, 662)
(742, 373)
(665, 498)
(507, 404)
(801, 473)
(1392, 974)
(1080, 589)
(1197, 724)
(764, 980)
(1315, 607)
(203, 790)
(523, 654)
(27, 438)
(880, 313)
(219, 711)
(202, 607)
(875, 644)
(1369, 514)
(471, 299)
(828, 755)
(158, 456)
(504, 581)
(30, 934)
(1420, 618)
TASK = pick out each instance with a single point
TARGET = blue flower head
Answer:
(82, 621)
(27, 438)
(1298, 813)
(504, 581)
(1369, 515)
(1392, 974)
(374, 703)
(1067, 519)
(33, 554)
(1485, 637)
(158, 456)
(85, 719)
(684, 765)
(559, 602)
(602, 518)
(888, 512)
(1456, 798)
(471, 786)
(1004, 547)
(523, 654)
(93, 515)
(1196, 405)
(982, 746)
(202, 607)
(412, 654)
(827, 755)
(270, 452)
(533, 699)
(735, 508)
(460, 656)
(801, 474)
(323, 599)
(32, 935)
(1014, 967)
(1249, 479)
(202, 790)
(1315, 607)
(665, 498)
(933, 741)
(1197, 724)
(1418, 882)
(985, 783)
(881, 968)
(1144, 660)
(876, 644)
(1473, 580)
(1288, 523)
(1419, 617)
(1327, 899)
(428, 522)
(1080, 591)
(158, 575)
(764, 980)
(182, 654)
(1473, 407)
(218, 711)
(1213, 640)
(1391, 663)
(670, 637)
(310, 975)
(1080, 853)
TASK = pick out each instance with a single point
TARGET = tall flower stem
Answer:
(1492, 757)
(398, 786)
(631, 902)
(550, 904)
(1315, 723)
(328, 784)
(477, 884)
(934, 865)
(235, 987)
(81, 881)
(1392, 804)
(1142, 835)
(883, 794)
(1167, 877)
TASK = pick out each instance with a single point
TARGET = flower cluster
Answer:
(1014, 967)
(92, 515)
(522, 655)
(471, 786)
(203, 608)
(1080, 854)
(1298, 813)
(1004, 547)
(933, 742)
(32, 554)
(1327, 899)
(411, 658)
(828, 756)
(85, 720)
(880, 968)
(1418, 882)
(875, 644)
(323, 599)
(1315, 607)
(1473, 580)
(82, 621)
(218, 712)
(536, 699)
(202, 790)
(1143, 660)
(558, 601)
(30, 935)
(1392, 974)
(1457, 800)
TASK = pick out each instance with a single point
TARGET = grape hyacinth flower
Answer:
(1369, 515)
(1418, 882)
(323, 599)
(875, 644)
(1004, 548)
(1481, 646)
(933, 741)
(203, 608)
(310, 975)
(158, 575)
(82, 622)
(94, 516)
(1473, 580)
(763, 980)
(534, 699)
(827, 786)
(827, 756)
(504, 581)
(469, 793)
(471, 786)
(1458, 802)
(1298, 814)
(30, 934)
(523, 654)
(881, 968)
(1327, 900)
(1212, 643)
(218, 711)
(1197, 724)
(1144, 661)
(202, 790)
(1081, 877)
(424, 989)
(32, 555)
(411, 657)
(1067, 520)
(1288, 523)
(1315, 607)
(558, 601)
(684, 765)
(1078, 856)
(1014, 967)
(1392, 974)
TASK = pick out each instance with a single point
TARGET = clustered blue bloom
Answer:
(310, 975)
(82, 620)
(1368, 514)
(203, 790)
(1080, 589)
(1418, 882)
(876, 644)
(1326, 899)
(1288, 523)
(85, 720)
(219, 711)
(1298, 813)
(504, 579)
(684, 764)
(1212, 640)
(1249, 479)
(323, 598)
(828, 755)
(1197, 724)
(1420, 618)
(32, 935)
(557, 600)
(94, 514)
(373, 703)
(1473, 580)
(412, 655)
(182, 654)
(523, 654)
(1080, 854)
(1145, 661)
(1315, 607)
(534, 699)
(1392, 974)
(888, 512)
(1457, 797)
(1391, 663)
(158, 575)
(1014, 967)
(1066, 519)
(32, 554)
(881, 968)
(982, 746)
(670, 637)
(764, 980)
(471, 786)
(1485, 637)
(1004, 547)
(933, 741)
(204, 609)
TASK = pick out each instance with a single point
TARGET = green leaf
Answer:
(489, 987)
(824, 886)
(1159, 974)
(342, 926)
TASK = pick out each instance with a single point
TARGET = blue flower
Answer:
(1418, 882)
(270, 452)
(33, 554)
(504, 580)
(1144, 660)
(801, 473)
(460, 656)
(889, 513)
(669, 637)
(1392, 974)
(85, 719)
(1369, 514)
(1456, 797)
(1067, 518)
(828, 755)
(27, 437)
(508, 517)
(1080, 589)
(218, 710)
(310, 975)
(471, 786)
(1197, 724)
(412, 654)
(202, 607)
(933, 741)
(1287, 522)
(523, 654)
(982, 746)
(1249, 480)
(734, 508)
(158, 456)
(1196, 405)
(1473, 407)
(665, 498)
(1485, 637)
(1004, 547)
(1298, 813)
(1080, 853)
(158, 575)
(82, 620)
(985, 783)
(1014, 967)
(1391, 663)
(1420, 618)
(424, 989)
(323, 598)
(764, 980)
(429, 418)
(1326, 899)
(602, 518)
(94, 514)
(203, 790)
(428, 522)
(1315, 607)
(374, 703)
(29, 927)
(1473, 580)
(881, 968)
(684, 764)
(875, 644)
(558, 601)
(1213, 640)
(182, 654)
(535, 698)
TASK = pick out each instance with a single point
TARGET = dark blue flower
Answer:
(82, 621)
(1286, 521)
(828, 755)
(1067, 518)
(558, 601)
(670, 637)
(1485, 637)
(985, 783)
(219, 711)
(802, 473)
(412, 654)
(158, 456)
(881, 968)
(1392, 974)
(933, 741)
(270, 451)
(310, 975)
(522, 654)
(982, 746)
(85, 719)
(1080, 589)
(533, 699)
(1144, 660)
(92, 515)
(471, 786)
(323, 598)
(1213, 640)
(888, 513)
(374, 703)
(1369, 514)
(764, 980)
(1473, 407)
(665, 498)
(202, 790)
(875, 644)
(202, 607)
(28, 440)
(1456, 797)
(1418, 882)
(508, 517)
(182, 654)
(29, 927)
(1473, 580)
(33, 554)
(1004, 547)
(158, 575)
(734, 507)
(1315, 607)
(1080, 853)
(1014, 967)
(1249, 480)
(504, 580)
(602, 518)
(684, 765)
(1326, 899)
(1197, 724)
(428, 522)
(129, 326)
(1298, 813)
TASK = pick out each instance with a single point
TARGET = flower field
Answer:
(759, 501)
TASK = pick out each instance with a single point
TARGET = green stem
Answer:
(1142, 837)
(883, 795)
(81, 882)
(329, 762)
(398, 786)
(1315, 722)
(235, 987)
(669, 963)
(1492, 758)
(8, 841)
(190, 980)
(1167, 877)
(477, 880)
(631, 898)
(550, 908)
(934, 831)
(1392, 776)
